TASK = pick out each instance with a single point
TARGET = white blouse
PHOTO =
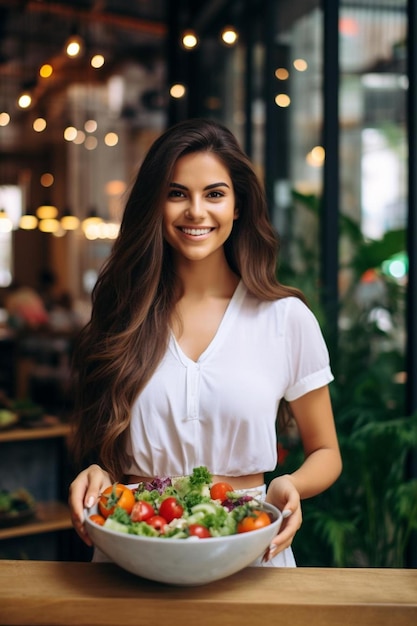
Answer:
(220, 411)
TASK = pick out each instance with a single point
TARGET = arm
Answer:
(322, 466)
(84, 492)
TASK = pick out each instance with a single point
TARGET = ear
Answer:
(236, 213)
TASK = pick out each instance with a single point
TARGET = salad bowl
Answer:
(190, 562)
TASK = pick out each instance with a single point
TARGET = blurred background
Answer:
(321, 95)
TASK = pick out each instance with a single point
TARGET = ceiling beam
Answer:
(148, 27)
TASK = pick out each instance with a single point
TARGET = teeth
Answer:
(196, 231)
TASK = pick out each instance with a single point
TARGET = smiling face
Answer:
(199, 210)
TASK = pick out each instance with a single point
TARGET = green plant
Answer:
(368, 516)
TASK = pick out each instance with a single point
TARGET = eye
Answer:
(176, 193)
(216, 194)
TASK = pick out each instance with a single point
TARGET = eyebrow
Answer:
(211, 186)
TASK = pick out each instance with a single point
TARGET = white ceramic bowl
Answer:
(190, 561)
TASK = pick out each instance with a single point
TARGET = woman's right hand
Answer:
(84, 492)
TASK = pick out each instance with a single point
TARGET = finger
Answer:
(81, 531)
(278, 544)
(285, 535)
(97, 481)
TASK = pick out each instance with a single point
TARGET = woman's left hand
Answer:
(283, 494)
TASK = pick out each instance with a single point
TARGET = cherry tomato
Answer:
(219, 491)
(257, 519)
(198, 530)
(97, 519)
(116, 495)
(141, 511)
(170, 509)
(158, 522)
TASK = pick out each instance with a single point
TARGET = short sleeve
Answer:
(308, 356)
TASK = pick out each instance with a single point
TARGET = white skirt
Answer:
(282, 559)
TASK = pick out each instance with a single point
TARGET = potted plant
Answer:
(368, 516)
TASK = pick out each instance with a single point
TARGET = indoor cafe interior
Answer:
(321, 95)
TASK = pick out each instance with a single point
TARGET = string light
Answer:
(47, 179)
(91, 143)
(281, 73)
(282, 100)
(90, 126)
(70, 133)
(229, 35)
(189, 39)
(111, 139)
(300, 65)
(39, 124)
(25, 100)
(4, 118)
(74, 46)
(177, 91)
(46, 70)
(97, 61)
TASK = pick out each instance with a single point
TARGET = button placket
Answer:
(193, 391)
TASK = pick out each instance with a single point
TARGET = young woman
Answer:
(194, 346)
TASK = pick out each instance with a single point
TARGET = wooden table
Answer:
(101, 594)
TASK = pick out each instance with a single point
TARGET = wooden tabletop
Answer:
(101, 594)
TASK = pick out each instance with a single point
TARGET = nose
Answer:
(195, 210)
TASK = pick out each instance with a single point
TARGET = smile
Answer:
(196, 231)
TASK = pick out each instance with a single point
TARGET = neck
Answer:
(210, 276)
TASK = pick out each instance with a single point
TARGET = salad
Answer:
(189, 506)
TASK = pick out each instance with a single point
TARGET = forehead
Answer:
(202, 164)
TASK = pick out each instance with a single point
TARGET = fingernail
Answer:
(90, 502)
(286, 513)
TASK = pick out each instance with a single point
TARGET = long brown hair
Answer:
(136, 292)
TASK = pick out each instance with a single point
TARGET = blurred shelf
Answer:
(40, 432)
(49, 517)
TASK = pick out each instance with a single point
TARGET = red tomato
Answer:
(141, 511)
(158, 522)
(97, 519)
(219, 491)
(116, 495)
(257, 519)
(197, 530)
(170, 509)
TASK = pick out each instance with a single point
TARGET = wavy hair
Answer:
(134, 298)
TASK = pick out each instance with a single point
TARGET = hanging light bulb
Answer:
(90, 224)
(49, 225)
(6, 223)
(69, 221)
(28, 221)
(46, 211)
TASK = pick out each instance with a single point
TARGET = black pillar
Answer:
(329, 217)
(270, 106)
(411, 389)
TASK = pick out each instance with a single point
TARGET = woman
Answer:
(193, 344)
